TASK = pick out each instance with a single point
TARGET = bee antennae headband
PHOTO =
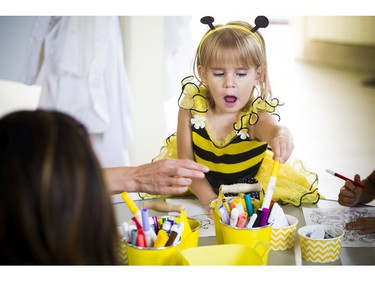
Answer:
(260, 22)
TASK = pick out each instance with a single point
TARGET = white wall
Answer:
(344, 29)
(144, 54)
(16, 96)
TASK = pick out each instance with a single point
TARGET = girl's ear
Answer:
(202, 74)
(259, 75)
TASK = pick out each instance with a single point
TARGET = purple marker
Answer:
(145, 221)
(146, 227)
(156, 224)
(263, 221)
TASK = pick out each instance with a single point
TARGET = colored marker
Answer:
(249, 205)
(239, 206)
(252, 221)
(345, 178)
(156, 224)
(180, 230)
(131, 228)
(269, 193)
(161, 239)
(224, 215)
(231, 203)
(125, 230)
(141, 239)
(226, 205)
(259, 216)
(234, 217)
(271, 185)
(131, 205)
(242, 218)
(133, 237)
(263, 220)
(172, 235)
(166, 226)
(150, 235)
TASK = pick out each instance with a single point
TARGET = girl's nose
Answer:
(229, 82)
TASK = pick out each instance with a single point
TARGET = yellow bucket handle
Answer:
(262, 248)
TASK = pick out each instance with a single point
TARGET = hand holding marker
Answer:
(345, 178)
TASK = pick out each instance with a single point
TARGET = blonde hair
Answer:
(237, 46)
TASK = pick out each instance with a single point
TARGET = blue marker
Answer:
(224, 215)
(249, 205)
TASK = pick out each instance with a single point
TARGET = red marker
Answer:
(345, 178)
(141, 239)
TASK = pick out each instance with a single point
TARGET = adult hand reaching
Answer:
(166, 176)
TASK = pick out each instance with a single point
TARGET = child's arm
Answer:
(278, 137)
(200, 187)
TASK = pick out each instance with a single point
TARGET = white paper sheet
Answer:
(339, 217)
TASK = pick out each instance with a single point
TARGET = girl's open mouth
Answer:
(230, 99)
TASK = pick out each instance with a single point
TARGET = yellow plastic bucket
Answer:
(226, 234)
(192, 239)
(135, 255)
(217, 224)
(151, 256)
(217, 221)
(228, 254)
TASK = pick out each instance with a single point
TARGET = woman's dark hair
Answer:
(54, 206)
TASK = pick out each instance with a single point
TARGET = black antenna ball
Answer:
(209, 21)
(260, 22)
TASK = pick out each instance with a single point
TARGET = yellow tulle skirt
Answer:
(295, 185)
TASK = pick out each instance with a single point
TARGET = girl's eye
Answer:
(242, 74)
(217, 74)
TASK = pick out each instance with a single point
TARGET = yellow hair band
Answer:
(260, 21)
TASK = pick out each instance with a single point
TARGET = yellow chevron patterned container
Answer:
(283, 238)
(324, 250)
(122, 255)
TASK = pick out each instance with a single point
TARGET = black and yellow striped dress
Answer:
(233, 159)
(229, 161)
(238, 157)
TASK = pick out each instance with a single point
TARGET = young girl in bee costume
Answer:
(227, 116)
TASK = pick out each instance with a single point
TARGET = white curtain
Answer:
(79, 63)
(179, 53)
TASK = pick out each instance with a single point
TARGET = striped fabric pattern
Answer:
(230, 162)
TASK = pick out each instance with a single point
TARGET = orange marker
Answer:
(232, 204)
